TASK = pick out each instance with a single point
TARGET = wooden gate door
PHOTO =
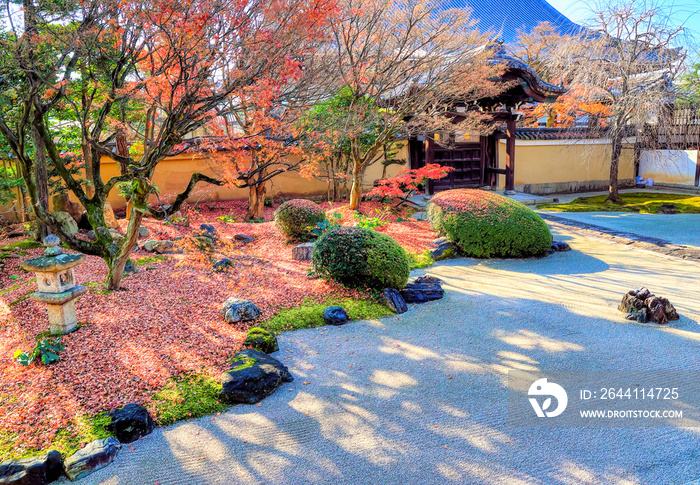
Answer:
(466, 161)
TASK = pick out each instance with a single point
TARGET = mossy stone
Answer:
(262, 340)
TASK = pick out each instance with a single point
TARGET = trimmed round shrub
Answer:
(359, 257)
(484, 224)
(297, 217)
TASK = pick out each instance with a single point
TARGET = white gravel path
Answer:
(421, 398)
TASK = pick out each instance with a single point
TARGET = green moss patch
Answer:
(149, 260)
(642, 202)
(21, 245)
(310, 314)
(187, 396)
(420, 260)
(67, 441)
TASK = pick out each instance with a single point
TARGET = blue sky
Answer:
(686, 12)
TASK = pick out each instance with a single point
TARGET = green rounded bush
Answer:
(484, 224)
(359, 257)
(297, 217)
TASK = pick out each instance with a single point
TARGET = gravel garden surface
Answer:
(421, 397)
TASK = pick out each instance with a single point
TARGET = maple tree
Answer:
(403, 66)
(150, 73)
(621, 73)
(407, 182)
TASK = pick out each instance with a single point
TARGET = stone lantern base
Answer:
(61, 308)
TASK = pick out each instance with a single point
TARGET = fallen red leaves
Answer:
(165, 322)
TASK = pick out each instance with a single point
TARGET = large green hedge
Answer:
(484, 224)
(297, 217)
(359, 257)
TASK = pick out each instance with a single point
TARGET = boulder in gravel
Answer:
(641, 305)
(40, 470)
(302, 252)
(244, 238)
(262, 340)
(335, 315)
(236, 310)
(144, 232)
(393, 299)
(559, 247)
(423, 289)
(159, 247)
(91, 458)
(130, 423)
(254, 375)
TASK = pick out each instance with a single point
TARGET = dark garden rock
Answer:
(130, 423)
(302, 252)
(208, 231)
(393, 299)
(130, 267)
(254, 375)
(159, 247)
(84, 223)
(559, 247)
(423, 289)
(445, 249)
(236, 310)
(244, 238)
(335, 315)
(92, 457)
(32, 471)
(223, 265)
(642, 306)
(91, 235)
(669, 209)
(262, 340)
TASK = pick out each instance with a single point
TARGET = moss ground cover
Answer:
(642, 202)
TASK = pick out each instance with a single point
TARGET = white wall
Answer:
(669, 166)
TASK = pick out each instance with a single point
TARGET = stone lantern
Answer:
(56, 282)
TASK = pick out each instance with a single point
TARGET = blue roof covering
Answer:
(505, 17)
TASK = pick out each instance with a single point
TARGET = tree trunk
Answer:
(256, 201)
(41, 180)
(117, 264)
(613, 194)
(356, 189)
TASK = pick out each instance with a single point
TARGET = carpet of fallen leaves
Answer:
(164, 322)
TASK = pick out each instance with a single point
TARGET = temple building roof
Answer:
(504, 18)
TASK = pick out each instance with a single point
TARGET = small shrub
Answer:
(359, 257)
(483, 224)
(46, 351)
(326, 224)
(296, 218)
